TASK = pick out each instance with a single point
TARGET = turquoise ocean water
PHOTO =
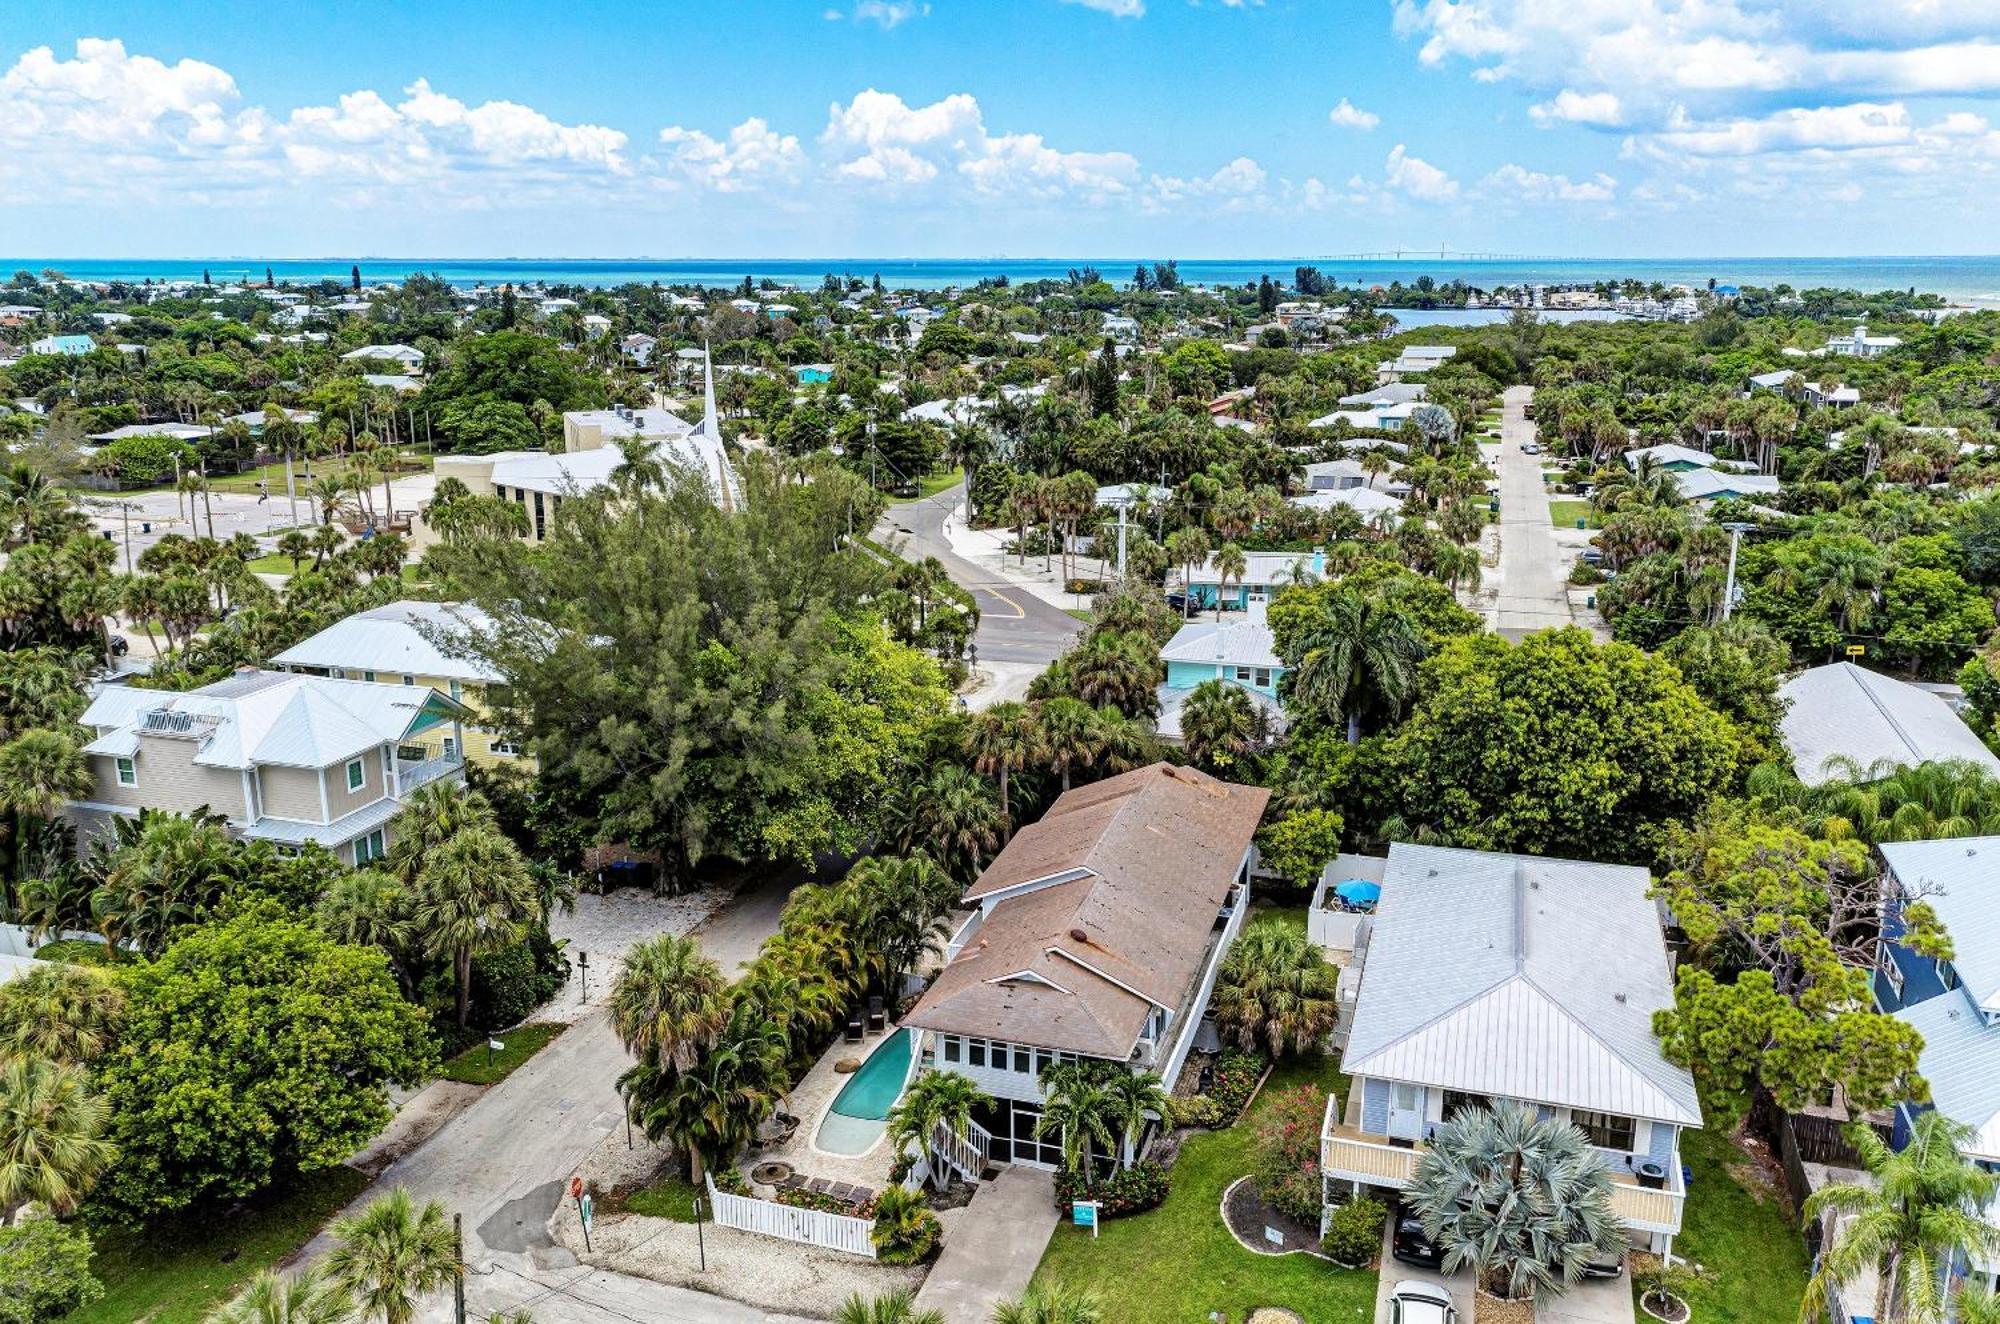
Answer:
(1966, 279)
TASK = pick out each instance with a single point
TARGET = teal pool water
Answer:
(855, 1121)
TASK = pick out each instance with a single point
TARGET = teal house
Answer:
(1237, 652)
(811, 373)
(1264, 573)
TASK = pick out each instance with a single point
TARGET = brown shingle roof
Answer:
(1131, 872)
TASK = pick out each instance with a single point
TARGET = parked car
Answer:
(1409, 1243)
(1531, 448)
(1610, 1265)
(1414, 1302)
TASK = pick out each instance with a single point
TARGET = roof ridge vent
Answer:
(1520, 913)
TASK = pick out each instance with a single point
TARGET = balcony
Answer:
(409, 776)
(1350, 1155)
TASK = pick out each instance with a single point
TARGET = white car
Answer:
(1416, 1302)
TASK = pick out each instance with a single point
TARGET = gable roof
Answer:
(1246, 642)
(1842, 710)
(1522, 977)
(1118, 887)
(1960, 877)
(401, 638)
(1961, 1063)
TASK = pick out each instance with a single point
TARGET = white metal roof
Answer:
(1364, 500)
(1237, 642)
(1961, 1063)
(401, 639)
(1520, 977)
(1842, 710)
(1701, 484)
(1670, 453)
(1960, 878)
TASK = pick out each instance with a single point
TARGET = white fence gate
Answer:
(771, 1219)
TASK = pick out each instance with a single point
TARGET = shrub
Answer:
(143, 459)
(1194, 1110)
(1131, 1190)
(1354, 1232)
(76, 951)
(509, 984)
(1236, 1076)
(1288, 1152)
(905, 1231)
(44, 1272)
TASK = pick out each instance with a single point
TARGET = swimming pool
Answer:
(855, 1121)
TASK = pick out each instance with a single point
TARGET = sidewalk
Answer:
(1015, 1215)
(984, 548)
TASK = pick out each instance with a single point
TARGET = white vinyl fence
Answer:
(771, 1219)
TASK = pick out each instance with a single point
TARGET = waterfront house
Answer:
(1861, 345)
(1954, 1004)
(416, 643)
(1096, 934)
(1843, 714)
(284, 757)
(1413, 360)
(1489, 976)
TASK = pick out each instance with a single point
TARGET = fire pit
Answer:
(770, 1174)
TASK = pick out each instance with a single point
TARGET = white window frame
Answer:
(505, 749)
(357, 776)
(457, 690)
(1891, 971)
(126, 770)
(1263, 676)
(369, 848)
(1577, 1116)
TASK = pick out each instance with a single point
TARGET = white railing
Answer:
(812, 1227)
(410, 776)
(967, 1154)
(1190, 1015)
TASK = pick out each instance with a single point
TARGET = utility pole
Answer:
(458, 1265)
(1123, 506)
(1736, 531)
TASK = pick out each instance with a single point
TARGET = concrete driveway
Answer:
(1592, 1301)
(1395, 1271)
(1003, 1234)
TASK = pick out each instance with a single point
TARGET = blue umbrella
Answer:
(1358, 892)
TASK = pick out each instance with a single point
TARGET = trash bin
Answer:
(1583, 524)
(145, 526)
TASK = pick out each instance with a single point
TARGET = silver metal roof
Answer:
(1960, 879)
(401, 639)
(1843, 710)
(1961, 1060)
(1521, 977)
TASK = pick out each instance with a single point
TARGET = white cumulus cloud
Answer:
(879, 138)
(1115, 8)
(752, 153)
(1518, 182)
(1418, 177)
(1347, 115)
(1601, 108)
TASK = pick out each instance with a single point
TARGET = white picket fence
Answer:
(771, 1219)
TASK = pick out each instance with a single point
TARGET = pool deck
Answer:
(811, 1098)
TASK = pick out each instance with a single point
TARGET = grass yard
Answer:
(1179, 1263)
(930, 485)
(1742, 1233)
(179, 1271)
(666, 1197)
(1564, 514)
(471, 1067)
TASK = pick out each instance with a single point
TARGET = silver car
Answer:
(1416, 1302)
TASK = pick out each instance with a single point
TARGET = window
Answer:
(356, 776)
(1892, 973)
(128, 773)
(368, 849)
(1264, 676)
(1454, 1100)
(1023, 1060)
(451, 747)
(1947, 975)
(1243, 675)
(457, 690)
(368, 676)
(950, 1049)
(1404, 1097)
(976, 1053)
(506, 749)
(408, 679)
(1606, 1130)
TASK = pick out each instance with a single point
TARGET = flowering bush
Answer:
(1287, 1146)
(1130, 1190)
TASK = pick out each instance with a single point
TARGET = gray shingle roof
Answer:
(1521, 977)
(1846, 711)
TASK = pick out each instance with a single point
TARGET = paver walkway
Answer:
(1005, 1230)
(1533, 592)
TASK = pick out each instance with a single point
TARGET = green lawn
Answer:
(667, 1197)
(1744, 1237)
(931, 484)
(1565, 514)
(179, 1271)
(471, 1067)
(1179, 1263)
(274, 474)
(1084, 614)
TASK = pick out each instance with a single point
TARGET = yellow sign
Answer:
(1856, 650)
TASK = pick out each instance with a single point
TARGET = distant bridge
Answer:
(1438, 255)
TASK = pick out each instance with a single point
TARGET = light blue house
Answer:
(1241, 652)
(72, 345)
(1490, 977)
(1954, 1004)
(1264, 573)
(811, 373)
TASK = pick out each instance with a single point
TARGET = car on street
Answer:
(1409, 1243)
(1531, 448)
(1416, 1302)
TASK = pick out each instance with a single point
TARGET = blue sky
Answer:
(998, 127)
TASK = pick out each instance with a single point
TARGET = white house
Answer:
(407, 357)
(1845, 714)
(1861, 345)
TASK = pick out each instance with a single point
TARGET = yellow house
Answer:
(422, 644)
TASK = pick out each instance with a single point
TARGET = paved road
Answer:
(502, 1163)
(1015, 626)
(1533, 593)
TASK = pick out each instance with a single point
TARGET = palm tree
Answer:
(1069, 734)
(712, 1112)
(1050, 1303)
(473, 896)
(39, 771)
(173, 871)
(1907, 1226)
(905, 904)
(51, 1136)
(60, 1012)
(276, 1298)
(669, 1003)
(1077, 1110)
(1230, 563)
(1365, 648)
(905, 1231)
(952, 816)
(431, 815)
(1135, 1096)
(1001, 741)
(392, 1254)
(1522, 1201)
(1218, 725)
(934, 1099)
(296, 546)
(1186, 548)
(1277, 990)
(897, 1307)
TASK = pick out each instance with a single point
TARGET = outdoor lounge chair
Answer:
(854, 1026)
(842, 1191)
(861, 1195)
(794, 1182)
(878, 1019)
(820, 1186)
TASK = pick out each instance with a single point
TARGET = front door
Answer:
(1406, 1111)
(1040, 1152)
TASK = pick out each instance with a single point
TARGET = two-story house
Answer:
(1490, 976)
(1096, 933)
(417, 643)
(285, 758)
(1954, 1004)
(1236, 651)
(1264, 573)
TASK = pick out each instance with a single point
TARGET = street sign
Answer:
(576, 1188)
(1856, 650)
(583, 1207)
